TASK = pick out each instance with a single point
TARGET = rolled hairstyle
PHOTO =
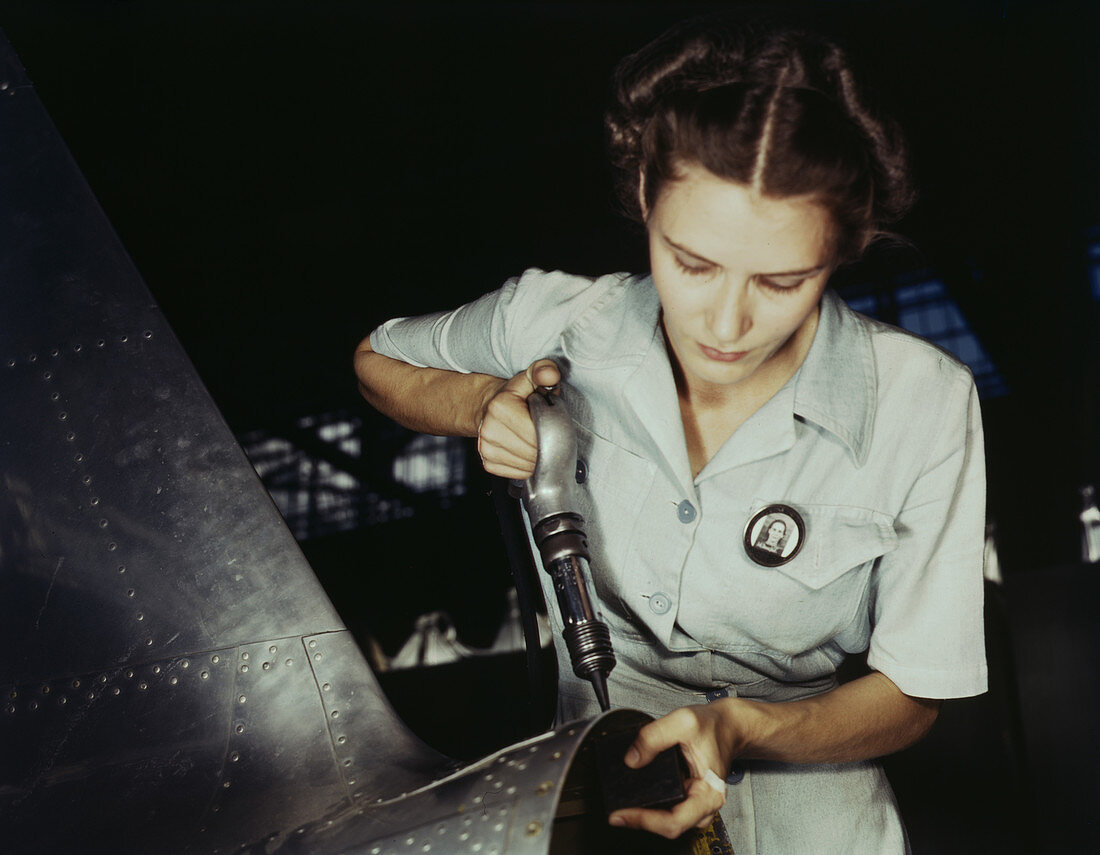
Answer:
(777, 110)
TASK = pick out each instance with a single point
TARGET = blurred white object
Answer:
(991, 563)
(1090, 526)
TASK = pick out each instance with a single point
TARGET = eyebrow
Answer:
(810, 271)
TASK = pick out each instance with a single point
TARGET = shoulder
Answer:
(542, 311)
(904, 359)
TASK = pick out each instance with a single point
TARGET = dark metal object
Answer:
(548, 497)
(172, 676)
(660, 784)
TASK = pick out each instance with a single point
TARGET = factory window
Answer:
(326, 476)
(922, 304)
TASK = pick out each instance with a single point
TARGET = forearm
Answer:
(428, 400)
(866, 718)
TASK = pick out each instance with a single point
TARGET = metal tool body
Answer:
(549, 497)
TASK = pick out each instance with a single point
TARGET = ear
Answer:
(642, 206)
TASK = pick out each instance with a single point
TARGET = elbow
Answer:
(925, 711)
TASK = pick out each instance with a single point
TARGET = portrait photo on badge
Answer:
(774, 535)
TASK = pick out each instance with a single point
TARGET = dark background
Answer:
(287, 174)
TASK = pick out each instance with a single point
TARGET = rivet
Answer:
(148, 642)
(267, 666)
(140, 617)
(273, 649)
(9, 709)
(215, 659)
(227, 784)
(55, 352)
(13, 694)
(240, 728)
(464, 836)
(100, 343)
(234, 757)
(11, 363)
(130, 592)
(70, 436)
(76, 684)
(336, 713)
(204, 675)
(351, 782)
(347, 762)
(244, 655)
(316, 657)
(242, 699)
(312, 644)
(63, 415)
(143, 685)
(91, 696)
(409, 841)
(326, 687)
(289, 661)
(124, 338)
(93, 502)
(543, 788)
(111, 547)
(148, 333)
(556, 755)
(33, 357)
(34, 705)
(103, 523)
(129, 674)
(47, 375)
(116, 691)
(87, 479)
(62, 701)
(244, 669)
(341, 739)
(185, 663)
(102, 678)
(121, 568)
(156, 669)
(55, 396)
(173, 680)
(45, 690)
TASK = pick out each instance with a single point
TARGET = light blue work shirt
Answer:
(875, 442)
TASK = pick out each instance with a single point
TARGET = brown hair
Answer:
(776, 109)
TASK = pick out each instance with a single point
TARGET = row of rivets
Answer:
(89, 689)
(77, 347)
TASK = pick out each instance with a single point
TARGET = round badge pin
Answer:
(774, 535)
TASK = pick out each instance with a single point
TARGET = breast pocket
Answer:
(616, 483)
(804, 603)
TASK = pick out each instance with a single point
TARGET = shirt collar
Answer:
(836, 385)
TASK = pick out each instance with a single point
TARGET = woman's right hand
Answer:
(506, 434)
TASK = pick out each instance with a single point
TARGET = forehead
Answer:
(730, 224)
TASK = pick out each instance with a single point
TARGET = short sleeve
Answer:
(500, 333)
(927, 626)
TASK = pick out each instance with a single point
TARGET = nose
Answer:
(730, 315)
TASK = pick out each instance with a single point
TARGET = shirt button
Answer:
(582, 471)
(660, 603)
(737, 773)
(685, 511)
(715, 694)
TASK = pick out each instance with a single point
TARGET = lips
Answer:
(721, 355)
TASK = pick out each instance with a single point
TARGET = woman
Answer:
(728, 387)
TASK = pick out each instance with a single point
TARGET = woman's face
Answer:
(738, 275)
(776, 531)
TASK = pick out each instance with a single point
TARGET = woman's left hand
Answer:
(710, 743)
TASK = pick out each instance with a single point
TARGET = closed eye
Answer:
(690, 269)
(781, 284)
